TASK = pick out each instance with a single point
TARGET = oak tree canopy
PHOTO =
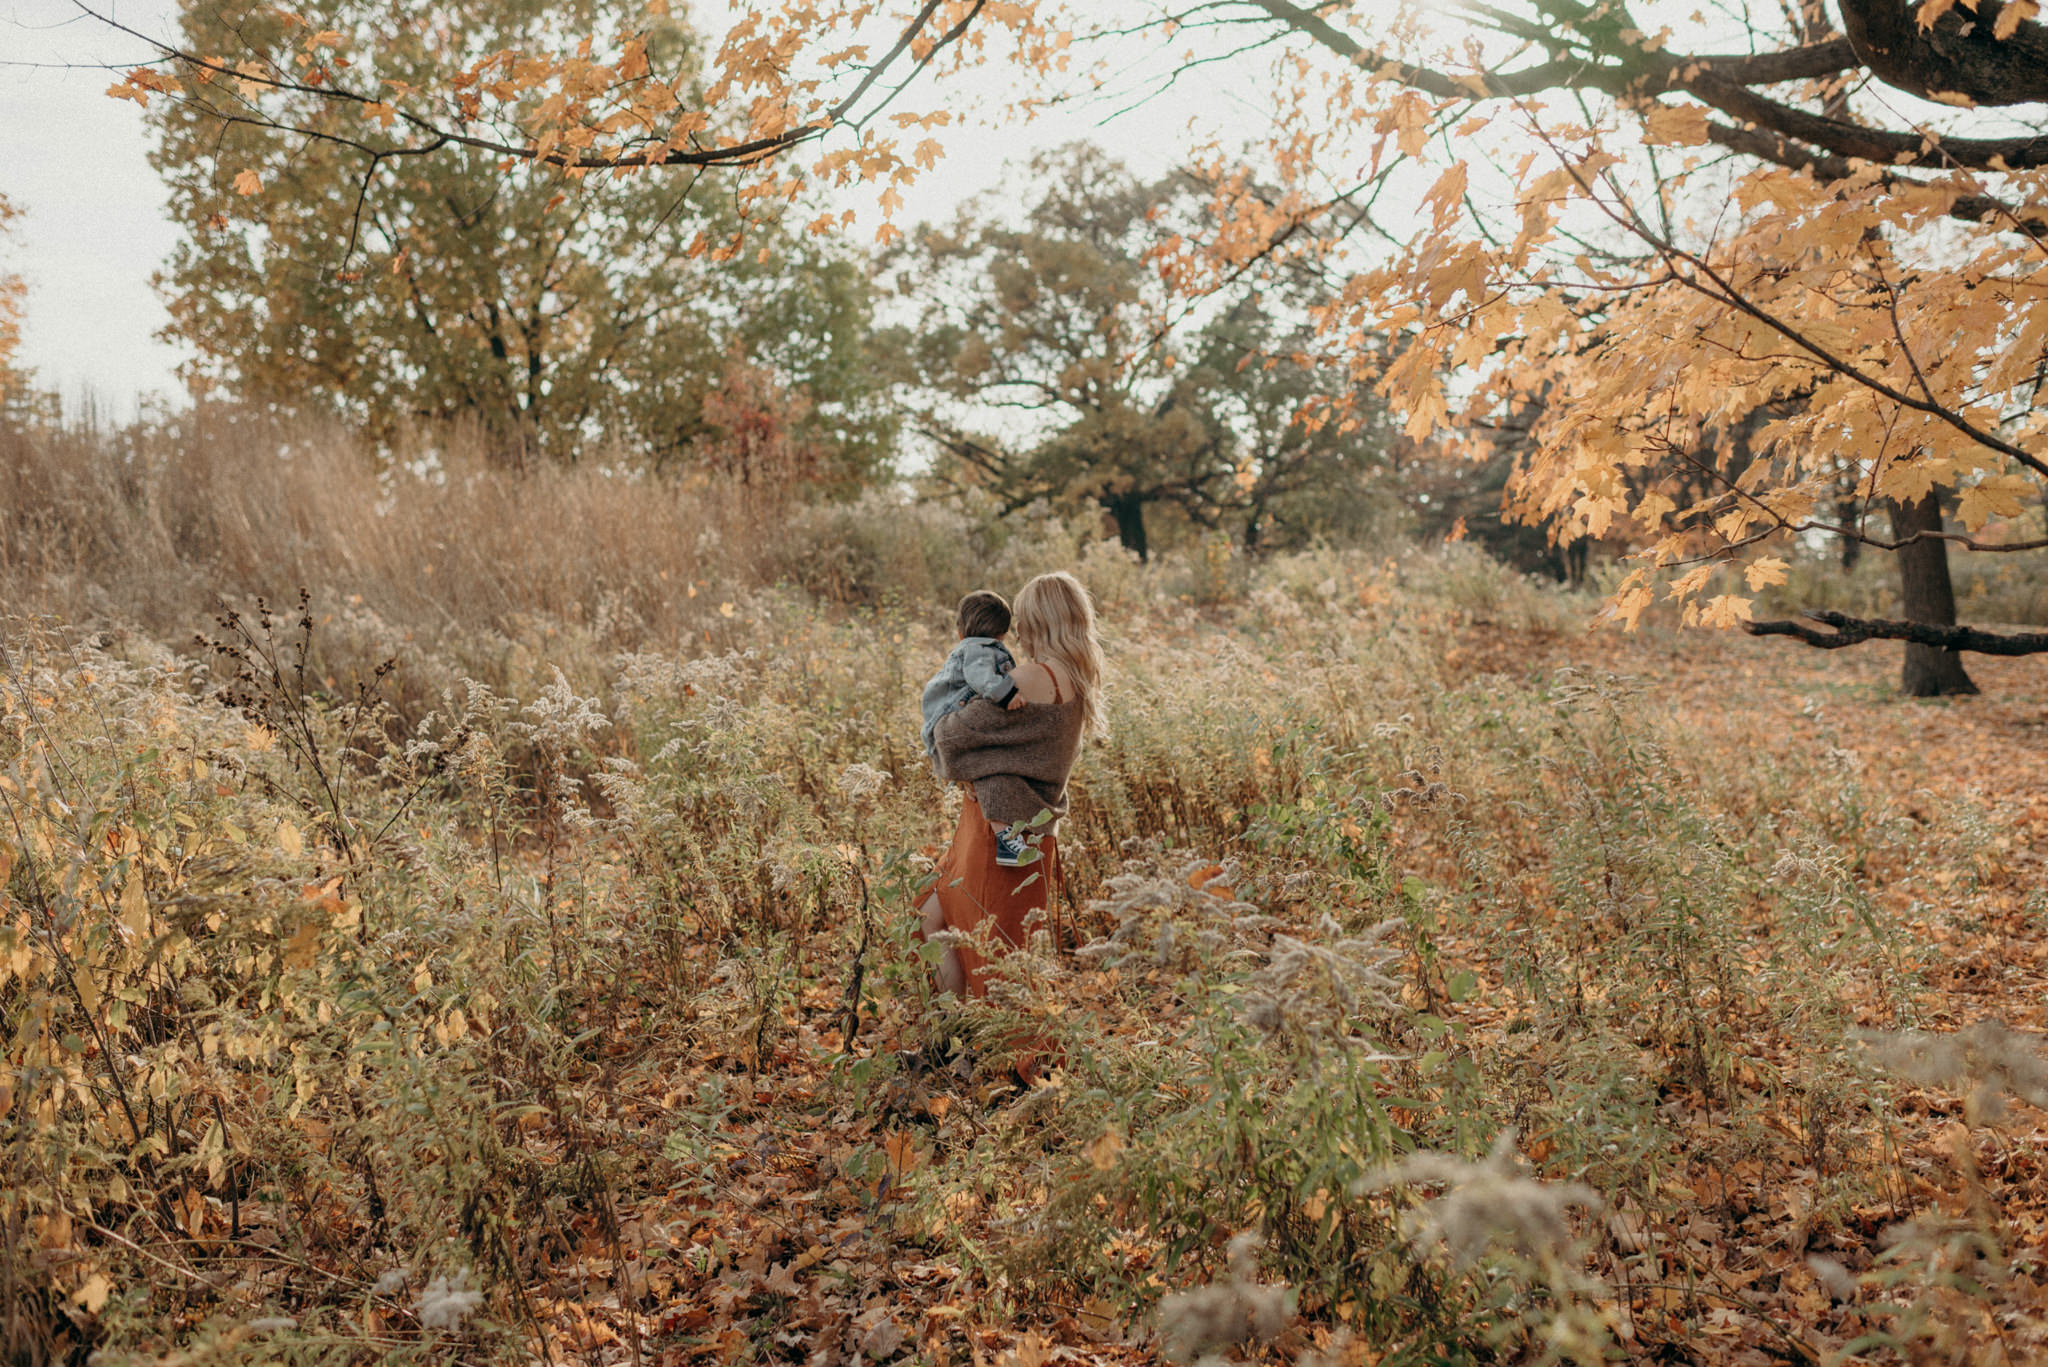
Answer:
(1043, 364)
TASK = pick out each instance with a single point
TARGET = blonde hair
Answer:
(1054, 619)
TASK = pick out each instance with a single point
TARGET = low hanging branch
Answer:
(1850, 631)
(604, 117)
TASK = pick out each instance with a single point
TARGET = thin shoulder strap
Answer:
(1054, 675)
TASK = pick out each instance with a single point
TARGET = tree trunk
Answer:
(1576, 557)
(1929, 597)
(1128, 510)
(1852, 549)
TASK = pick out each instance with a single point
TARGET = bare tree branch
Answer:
(842, 113)
(1986, 70)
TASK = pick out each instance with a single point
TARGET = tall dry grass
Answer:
(153, 523)
(429, 552)
(337, 1035)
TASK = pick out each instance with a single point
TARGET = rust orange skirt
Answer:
(973, 888)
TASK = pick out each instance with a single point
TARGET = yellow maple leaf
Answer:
(1911, 481)
(1651, 511)
(248, 183)
(1691, 582)
(1768, 570)
(1993, 496)
(2012, 16)
(1725, 611)
(1675, 125)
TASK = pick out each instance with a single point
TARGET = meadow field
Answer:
(496, 945)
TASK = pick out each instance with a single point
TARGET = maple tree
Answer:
(601, 99)
(1663, 239)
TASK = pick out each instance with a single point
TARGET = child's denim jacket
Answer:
(979, 667)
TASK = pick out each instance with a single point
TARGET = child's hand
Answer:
(1014, 703)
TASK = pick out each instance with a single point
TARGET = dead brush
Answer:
(1235, 1309)
(1165, 910)
(1242, 1086)
(1621, 952)
(1496, 1222)
(1988, 1064)
(1952, 1284)
(1486, 1204)
(1310, 990)
(270, 683)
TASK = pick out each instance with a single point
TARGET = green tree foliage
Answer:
(1305, 466)
(1043, 366)
(551, 310)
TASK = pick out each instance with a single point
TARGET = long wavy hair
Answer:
(1055, 623)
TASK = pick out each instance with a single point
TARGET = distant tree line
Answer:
(1034, 355)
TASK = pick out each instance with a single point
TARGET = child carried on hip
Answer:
(978, 667)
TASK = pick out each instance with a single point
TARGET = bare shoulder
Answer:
(1041, 683)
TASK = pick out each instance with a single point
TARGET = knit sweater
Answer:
(1017, 761)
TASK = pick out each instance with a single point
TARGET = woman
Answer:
(1061, 684)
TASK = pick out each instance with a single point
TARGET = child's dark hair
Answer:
(983, 613)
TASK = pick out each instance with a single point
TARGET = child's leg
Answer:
(1009, 804)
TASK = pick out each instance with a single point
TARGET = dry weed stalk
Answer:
(1195, 1325)
(1986, 1063)
(1491, 1202)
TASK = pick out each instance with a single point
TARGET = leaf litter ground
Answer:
(802, 1245)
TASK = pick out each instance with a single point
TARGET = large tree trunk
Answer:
(1930, 672)
(1845, 514)
(1128, 510)
(1576, 558)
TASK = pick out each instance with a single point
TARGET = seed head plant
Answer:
(1495, 1206)
(1236, 1309)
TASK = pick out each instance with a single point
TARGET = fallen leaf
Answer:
(883, 1338)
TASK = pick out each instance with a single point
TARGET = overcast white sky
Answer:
(93, 227)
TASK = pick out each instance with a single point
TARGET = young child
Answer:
(979, 667)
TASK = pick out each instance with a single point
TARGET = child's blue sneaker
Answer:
(1011, 849)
